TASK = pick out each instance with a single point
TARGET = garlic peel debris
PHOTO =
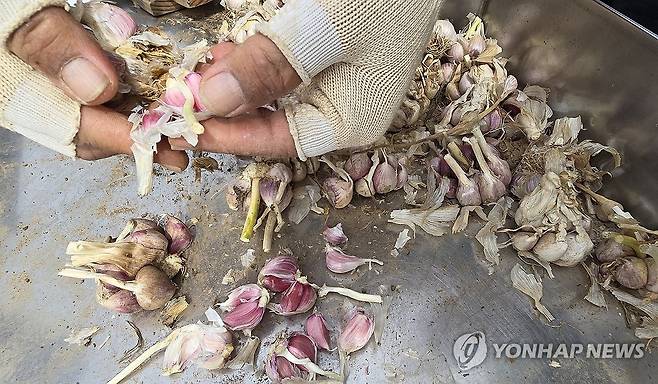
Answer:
(358, 296)
(529, 285)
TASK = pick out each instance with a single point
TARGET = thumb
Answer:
(58, 46)
(249, 76)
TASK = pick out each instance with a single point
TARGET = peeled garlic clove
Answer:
(357, 330)
(299, 298)
(339, 262)
(335, 235)
(652, 275)
(611, 250)
(298, 170)
(279, 273)
(111, 25)
(179, 234)
(632, 273)
(207, 346)
(245, 307)
(339, 192)
(549, 249)
(316, 328)
(385, 178)
(525, 241)
(358, 165)
(302, 347)
(455, 53)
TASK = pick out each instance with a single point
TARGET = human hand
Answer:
(355, 59)
(57, 45)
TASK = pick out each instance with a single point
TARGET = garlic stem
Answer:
(269, 231)
(141, 359)
(457, 170)
(79, 274)
(364, 297)
(480, 157)
(308, 364)
(484, 146)
(457, 153)
(252, 214)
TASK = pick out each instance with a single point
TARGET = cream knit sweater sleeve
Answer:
(357, 58)
(29, 103)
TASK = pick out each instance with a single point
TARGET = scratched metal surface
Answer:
(443, 288)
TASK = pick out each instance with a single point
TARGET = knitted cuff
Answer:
(306, 36)
(312, 131)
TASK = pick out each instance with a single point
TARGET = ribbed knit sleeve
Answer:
(29, 103)
(360, 55)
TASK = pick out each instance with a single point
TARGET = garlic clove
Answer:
(357, 330)
(316, 328)
(339, 192)
(444, 29)
(111, 25)
(335, 235)
(121, 301)
(299, 298)
(385, 178)
(448, 70)
(302, 346)
(245, 307)
(279, 273)
(339, 262)
(467, 191)
(236, 194)
(358, 165)
(193, 81)
(525, 241)
(455, 53)
(278, 368)
(179, 234)
(549, 248)
(579, 246)
(465, 83)
(632, 273)
(403, 174)
(149, 238)
(476, 46)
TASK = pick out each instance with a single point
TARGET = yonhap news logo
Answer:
(471, 349)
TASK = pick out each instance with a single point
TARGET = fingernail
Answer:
(222, 93)
(84, 79)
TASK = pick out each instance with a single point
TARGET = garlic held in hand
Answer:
(340, 262)
(524, 241)
(208, 346)
(245, 307)
(316, 329)
(550, 247)
(357, 330)
(498, 166)
(632, 273)
(490, 187)
(611, 250)
(467, 191)
(279, 273)
(111, 25)
(179, 234)
(299, 298)
(358, 165)
(151, 286)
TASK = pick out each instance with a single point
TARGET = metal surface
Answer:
(442, 290)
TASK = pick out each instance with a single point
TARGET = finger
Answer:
(104, 133)
(262, 133)
(57, 45)
(249, 76)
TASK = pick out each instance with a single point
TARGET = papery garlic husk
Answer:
(525, 241)
(233, 5)
(455, 53)
(632, 273)
(362, 188)
(550, 247)
(206, 345)
(339, 192)
(335, 235)
(652, 275)
(610, 250)
(298, 170)
(245, 307)
(179, 234)
(523, 184)
(299, 298)
(403, 174)
(358, 165)
(537, 204)
(129, 257)
(579, 246)
(467, 191)
(316, 329)
(111, 25)
(357, 330)
(339, 262)
(236, 194)
(279, 273)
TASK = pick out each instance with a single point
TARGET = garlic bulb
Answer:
(525, 241)
(444, 29)
(467, 191)
(632, 273)
(499, 167)
(550, 247)
(490, 187)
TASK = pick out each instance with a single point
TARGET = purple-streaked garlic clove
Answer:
(339, 262)
(358, 165)
(279, 273)
(279, 368)
(111, 25)
(149, 238)
(316, 329)
(357, 330)
(403, 174)
(339, 192)
(114, 298)
(302, 347)
(476, 46)
(494, 120)
(385, 178)
(245, 307)
(175, 98)
(208, 346)
(299, 298)
(179, 234)
(335, 235)
(448, 71)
